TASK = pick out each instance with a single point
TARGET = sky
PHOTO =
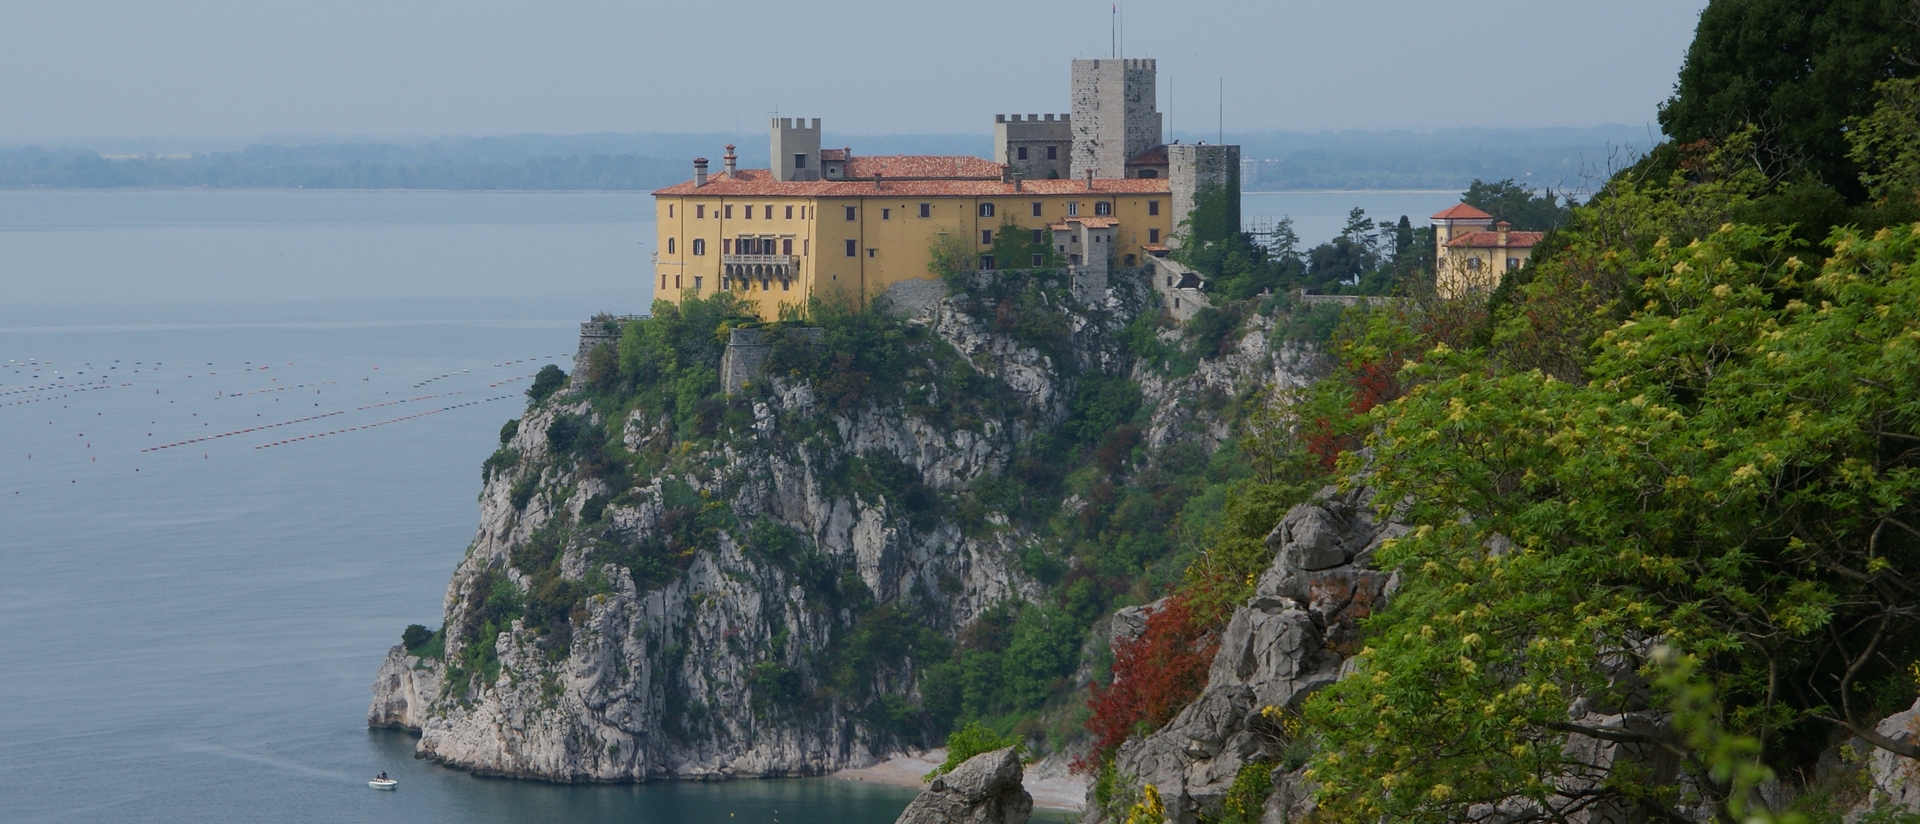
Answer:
(394, 68)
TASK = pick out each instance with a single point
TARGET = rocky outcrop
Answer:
(985, 789)
(1291, 638)
(712, 666)
(402, 690)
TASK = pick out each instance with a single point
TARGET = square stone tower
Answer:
(1039, 149)
(1116, 115)
(796, 148)
(1194, 170)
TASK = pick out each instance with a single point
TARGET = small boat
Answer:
(383, 783)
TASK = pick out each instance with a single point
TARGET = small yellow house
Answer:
(1472, 251)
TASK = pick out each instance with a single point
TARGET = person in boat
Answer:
(383, 776)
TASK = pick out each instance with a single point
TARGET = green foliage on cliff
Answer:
(967, 742)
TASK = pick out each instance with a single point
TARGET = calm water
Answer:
(240, 439)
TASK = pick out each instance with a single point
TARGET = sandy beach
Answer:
(1053, 787)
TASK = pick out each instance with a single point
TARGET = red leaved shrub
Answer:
(1153, 677)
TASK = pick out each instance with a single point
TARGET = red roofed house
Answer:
(1470, 256)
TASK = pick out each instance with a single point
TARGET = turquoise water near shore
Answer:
(240, 440)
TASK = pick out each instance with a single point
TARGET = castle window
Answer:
(700, 212)
(986, 261)
(1039, 236)
(697, 281)
(1153, 207)
(790, 208)
(1073, 209)
(786, 246)
(850, 213)
(786, 285)
(1039, 261)
(1103, 208)
(886, 214)
(986, 237)
(1473, 264)
(1023, 152)
(669, 246)
(926, 210)
(1153, 235)
(749, 211)
(728, 214)
(676, 281)
(1512, 264)
(872, 252)
(669, 210)
(769, 211)
(1036, 208)
(853, 248)
(726, 246)
(699, 246)
(806, 247)
(1053, 152)
(800, 160)
(986, 210)
(1149, 173)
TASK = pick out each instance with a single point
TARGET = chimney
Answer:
(1016, 181)
(729, 159)
(1006, 173)
(699, 172)
(878, 176)
(1089, 180)
(1502, 227)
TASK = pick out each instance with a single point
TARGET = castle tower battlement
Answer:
(1116, 115)
(1036, 147)
(796, 148)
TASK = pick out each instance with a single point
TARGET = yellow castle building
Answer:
(818, 222)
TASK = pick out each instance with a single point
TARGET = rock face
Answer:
(985, 789)
(698, 671)
(1290, 638)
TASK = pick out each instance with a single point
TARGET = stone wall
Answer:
(603, 330)
(1178, 286)
(1192, 169)
(745, 358)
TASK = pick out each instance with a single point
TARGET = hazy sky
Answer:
(404, 67)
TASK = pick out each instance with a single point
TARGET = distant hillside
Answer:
(1446, 159)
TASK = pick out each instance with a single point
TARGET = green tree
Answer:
(1800, 71)
(546, 381)
(1526, 209)
(1886, 144)
(1739, 483)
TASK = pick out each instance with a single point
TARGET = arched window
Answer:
(699, 246)
(986, 210)
(669, 246)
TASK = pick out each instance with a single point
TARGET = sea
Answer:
(240, 445)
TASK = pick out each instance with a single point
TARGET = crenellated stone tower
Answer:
(1116, 115)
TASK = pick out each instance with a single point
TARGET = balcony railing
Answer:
(786, 261)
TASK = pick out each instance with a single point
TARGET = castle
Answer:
(1099, 185)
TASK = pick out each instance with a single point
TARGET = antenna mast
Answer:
(1113, 30)
(1222, 137)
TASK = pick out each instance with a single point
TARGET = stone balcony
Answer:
(759, 266)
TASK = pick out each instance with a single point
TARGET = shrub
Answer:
(415, 636)
(546, 382)
(501, 460)
(508, 430)
(1153, 677)
(967, 742)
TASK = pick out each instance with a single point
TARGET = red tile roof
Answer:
(1461, 211)
(760, 183)
(834, 154)
(928, 167)
(1156, 156)
(1486, 240)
